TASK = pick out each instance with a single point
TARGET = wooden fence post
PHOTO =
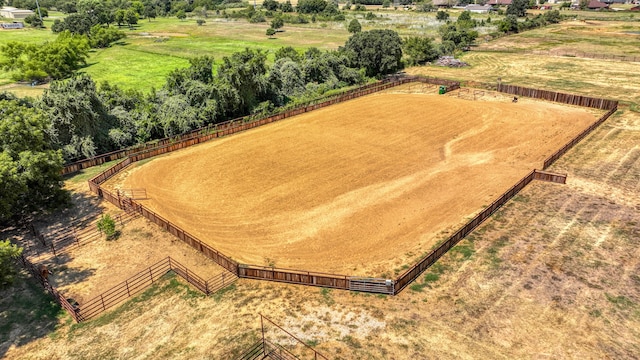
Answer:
(102, 300)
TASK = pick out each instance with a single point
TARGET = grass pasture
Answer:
(553, 274)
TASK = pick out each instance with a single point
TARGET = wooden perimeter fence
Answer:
(569, 53)
(57, 296)
(76, 235)
(128, 288)
(579, 100)
(248, 122)
(584, 54)
(413, 272)
(555, 156)
(302, 277)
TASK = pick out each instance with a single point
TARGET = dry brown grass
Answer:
(554, 274)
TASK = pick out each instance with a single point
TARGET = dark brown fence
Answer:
(555, 156)
(550, 177)
(134, 206)
(294, 276)
(414, 272)
(584, 54)
(77, 235)
(564, 98)
(450, 84)
(57, 296)
(569, 53)
(248, 122)
(331, 280)
(141, 281)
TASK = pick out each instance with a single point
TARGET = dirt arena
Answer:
(360, 188)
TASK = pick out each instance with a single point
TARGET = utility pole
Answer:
(39, 13)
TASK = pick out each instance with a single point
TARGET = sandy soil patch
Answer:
(356, 188)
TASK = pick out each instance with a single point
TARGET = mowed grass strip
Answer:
(132, 69)
(154, 49)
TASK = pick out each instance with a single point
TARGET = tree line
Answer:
(76, 118)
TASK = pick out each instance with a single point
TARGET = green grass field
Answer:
(155, 48)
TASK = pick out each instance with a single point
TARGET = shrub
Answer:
(107, 225)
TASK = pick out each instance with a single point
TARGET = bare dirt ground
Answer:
(84, 272)
(554, 274)
(357, 188)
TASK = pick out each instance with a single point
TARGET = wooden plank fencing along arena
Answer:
(57, 296)
(74, 235)
(302, 277)
(414, 272)
(145, 279)
(248, 122)
(555, 156)
(579, 100)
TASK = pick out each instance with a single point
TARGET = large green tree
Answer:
(80, 122)
(462, 37)
(311, 6)
(52, 60)
(379, 52)
(245, 73)
(518, 8)
(8, 253)
(419, 50)
(30, 179)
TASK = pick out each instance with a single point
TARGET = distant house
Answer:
(13, 13)
(13, 25)
(597, 5)
(445, 3)
(499, 2)
(479, 9)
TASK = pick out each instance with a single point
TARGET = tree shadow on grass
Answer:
(85, 208)
(27, 313)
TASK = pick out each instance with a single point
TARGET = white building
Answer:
(13, 25)
(479, 9)
(13, 13)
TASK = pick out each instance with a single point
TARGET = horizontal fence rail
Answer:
(121, 292)
(555, 156)
(83, 232)
(579, 100)
(550, 177)
(143, 280)
(569, 53)
(243, 123)
(301, 277)
(414, 272)
(57, 296)
(583, 54)
(294, 276)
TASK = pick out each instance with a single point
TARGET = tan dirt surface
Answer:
(84, 272)
(553, 274)
(357, 188)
